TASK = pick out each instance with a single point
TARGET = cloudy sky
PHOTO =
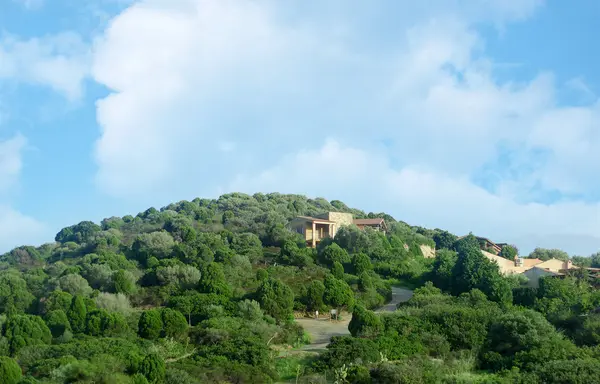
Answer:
(467, 115)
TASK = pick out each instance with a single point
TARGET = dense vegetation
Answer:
(206, 292)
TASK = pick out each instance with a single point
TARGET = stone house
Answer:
(325, 225)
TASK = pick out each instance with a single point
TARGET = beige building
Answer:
(325, 225)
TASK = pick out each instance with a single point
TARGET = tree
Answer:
(547, 254)
(212, 280)
(79, 233)
(14, 296)
(58, 300)
(77, 314)
(150, 324)
(23, 330)
(182, 276)
(174, 323)
(124, 282)
(314, 295)
(364, 323)
(333, 253)
(442, 269)
(337, 270)
(153, 368)
(444, 240)
(114, 303)
(58, 322)
(156, 244)
(10, 372)
(75, 285)
(276, 299)
(337, 293)
(509, 252)
(361, 263)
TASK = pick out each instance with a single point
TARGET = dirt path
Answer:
(322, 330)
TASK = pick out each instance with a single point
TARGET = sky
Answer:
(467, 115)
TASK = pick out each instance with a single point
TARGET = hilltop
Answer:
(207, 291)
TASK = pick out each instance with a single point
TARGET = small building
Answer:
(488, 245)
(536, 273)
(377, 224)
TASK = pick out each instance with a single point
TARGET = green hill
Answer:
(206, 291)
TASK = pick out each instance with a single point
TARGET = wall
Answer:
(534, 275)
(428, 252)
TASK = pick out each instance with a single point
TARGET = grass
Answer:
(290, 366)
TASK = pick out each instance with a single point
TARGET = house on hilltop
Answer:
(488, 245)
(325, 225)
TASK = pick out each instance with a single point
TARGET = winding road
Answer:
(322, 330)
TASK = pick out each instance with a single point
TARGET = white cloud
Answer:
(60, 62)
(193, 78)
(17, 229)
(10, 161)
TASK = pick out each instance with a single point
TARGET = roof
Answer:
(375, 221)
(309, 218)
(531, 262)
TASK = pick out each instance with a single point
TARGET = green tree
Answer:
(337, 270)
(14, 296)
(333, 253)
(150, 324)
(442, 269)
(314, 295)
(10, 372)
(124, 282)
(212, 280)
(509, 252)
(77, 314)
(75, 285)
(58, 322)
(174, 323)
(361, 263)
(547, 254)
(444, 240)
(338, 293)
(23, 330)
(58, 300)
(364, 323)
(153, 368)
(276, 299)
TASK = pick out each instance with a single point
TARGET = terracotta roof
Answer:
(375, 221)
(309, 218)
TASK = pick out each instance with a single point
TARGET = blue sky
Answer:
(465, 115)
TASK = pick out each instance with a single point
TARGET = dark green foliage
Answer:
(314, 296)
(333, 253)
(153, 368)
(364, 323)
(276, 298)
(509, 252)
(337, 270)
(337, 293)
(23, 330)
(77, 314)
(14, 296)
(58, 322)
(79, 233)
(348, 350)
(10, 372)
(102, 323)
(212, 280)
(174, 323)
(150, 324)
(123, 282)
(361, 263)
(444, 240)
